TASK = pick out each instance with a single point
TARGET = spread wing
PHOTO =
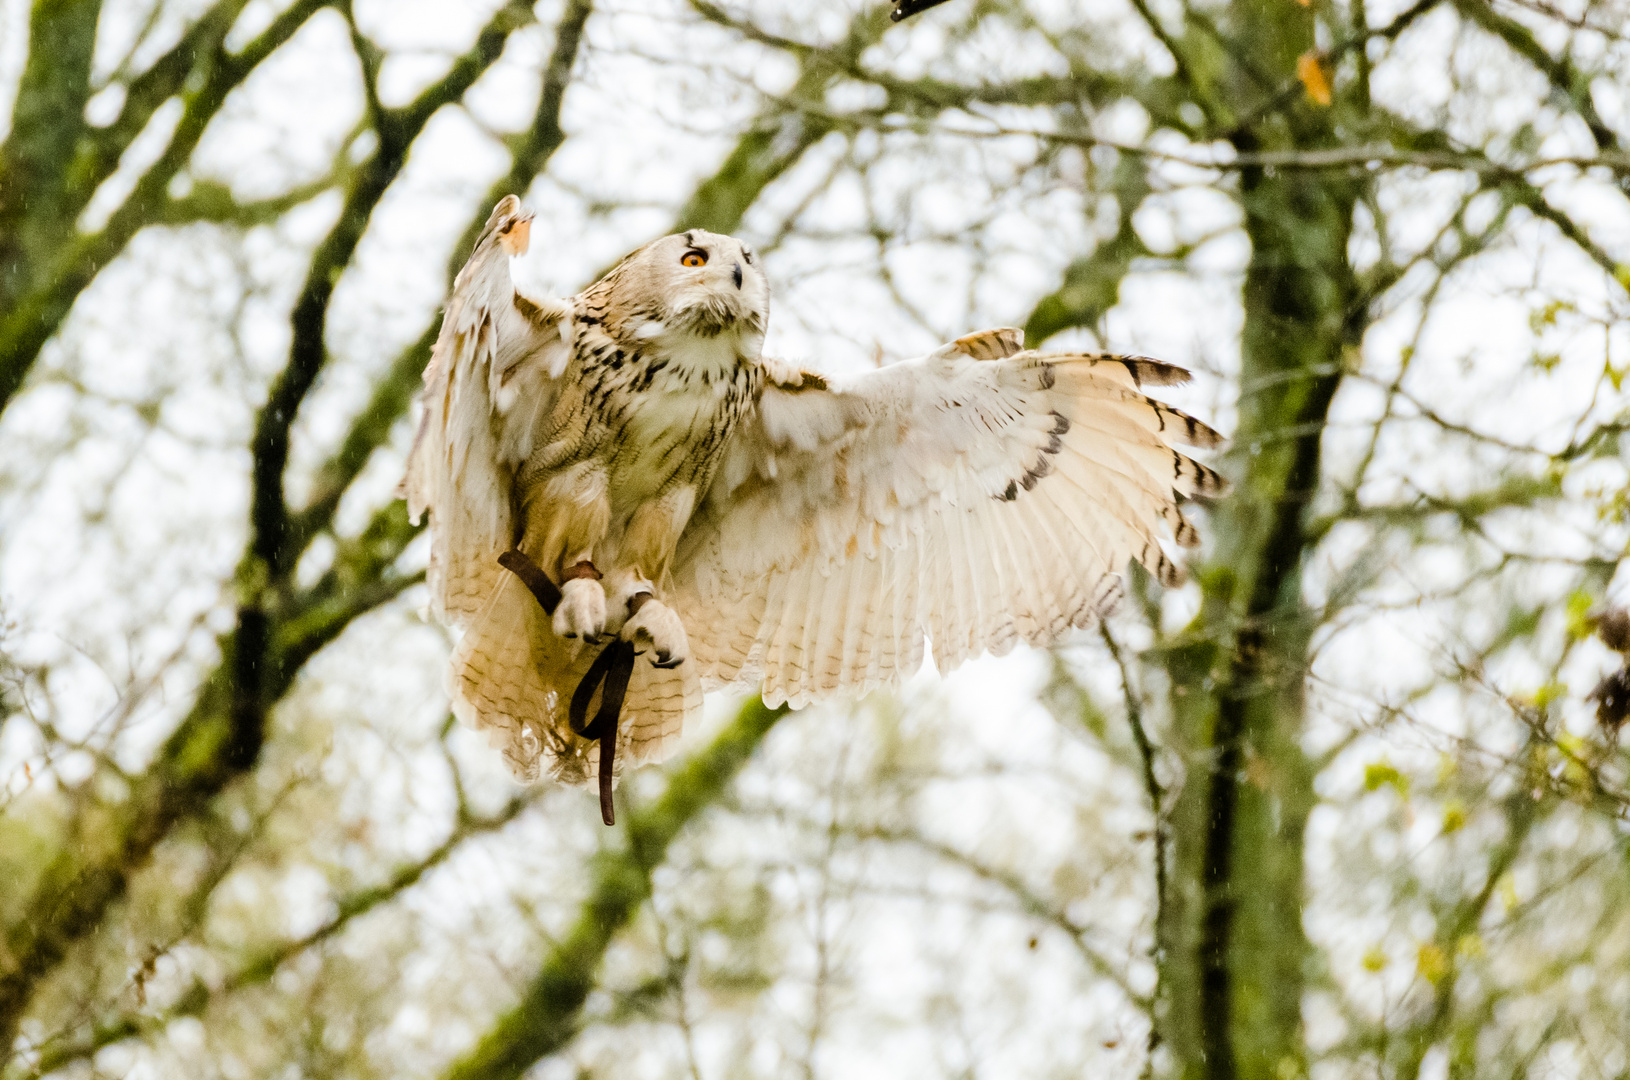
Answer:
(490, 378)
(980, 496)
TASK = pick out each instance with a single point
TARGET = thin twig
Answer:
(1148, 752)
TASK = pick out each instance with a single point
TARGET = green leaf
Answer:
(1431, 962)
(1383, 773)
(1551, 691)
(1578, 610)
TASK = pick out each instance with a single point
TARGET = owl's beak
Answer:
(735, 275)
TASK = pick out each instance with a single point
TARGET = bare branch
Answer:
(221, 737)
(1147, 753)
(546, 1018)
(266, 962)
(58, 271)
(1567, 80)
(529, 156)
(308, 352)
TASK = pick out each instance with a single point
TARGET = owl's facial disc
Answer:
(716, 286)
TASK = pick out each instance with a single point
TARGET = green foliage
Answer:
(1381, 774)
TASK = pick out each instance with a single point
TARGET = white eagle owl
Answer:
(742, 520)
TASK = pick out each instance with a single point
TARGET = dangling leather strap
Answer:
(537, 582)
(613, 667)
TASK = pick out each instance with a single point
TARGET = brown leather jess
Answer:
(613, 667)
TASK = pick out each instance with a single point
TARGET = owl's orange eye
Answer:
(694, 257)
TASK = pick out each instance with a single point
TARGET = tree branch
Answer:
(47, 287)
(547, 1017)
(779, 139)
(529, 156)
(1147, 754)
(1521, 815)
(222, 735)
(1029, 901)
(307, 352)
(1091, 285)
(213, 202)
(1566, 79)
(47, 121)
(194, 56)
(265, 963)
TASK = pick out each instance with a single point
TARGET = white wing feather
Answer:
(979, 496)
(489, 379)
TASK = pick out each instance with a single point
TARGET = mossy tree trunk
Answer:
(1232, 947)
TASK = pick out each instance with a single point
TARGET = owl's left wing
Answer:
(982, 495)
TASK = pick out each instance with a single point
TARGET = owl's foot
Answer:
(582, 610)
(650, 620)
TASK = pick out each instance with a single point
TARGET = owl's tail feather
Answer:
(513, 678)
(499, 684)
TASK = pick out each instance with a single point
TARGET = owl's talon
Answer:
(655, 622)
(582, 610)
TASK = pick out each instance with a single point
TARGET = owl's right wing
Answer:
(489, 384)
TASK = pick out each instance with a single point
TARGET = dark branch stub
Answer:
(905, 9)
(613, 668)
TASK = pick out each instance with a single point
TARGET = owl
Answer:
(735, 519)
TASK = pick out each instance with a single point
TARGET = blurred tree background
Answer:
(1340, 807)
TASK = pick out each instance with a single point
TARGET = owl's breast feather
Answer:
(675, 426)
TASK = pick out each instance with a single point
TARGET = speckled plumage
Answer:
(810, 533)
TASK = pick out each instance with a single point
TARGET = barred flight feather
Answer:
(977, 498)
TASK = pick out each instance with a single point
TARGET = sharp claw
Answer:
(667, 665)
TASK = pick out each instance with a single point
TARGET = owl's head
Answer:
(697, 282)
